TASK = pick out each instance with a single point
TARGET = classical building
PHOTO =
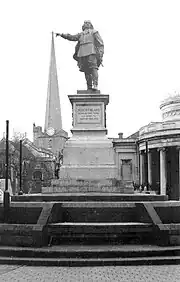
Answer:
(162, 141)
(150, 158)
(53, 137)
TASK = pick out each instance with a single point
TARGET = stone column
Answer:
(149, 167)
(162, 171)
(141, 167)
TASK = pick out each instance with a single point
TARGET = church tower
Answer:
(54, 136)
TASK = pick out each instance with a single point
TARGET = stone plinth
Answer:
(88, 159)
(89, 114)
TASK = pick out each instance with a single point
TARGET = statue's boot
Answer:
(95, 79)
(88, 80)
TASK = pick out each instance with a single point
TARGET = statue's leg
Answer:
(93, 69)
(88, 80)
(94, 73)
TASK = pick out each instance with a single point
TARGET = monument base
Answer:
(89, 186)
(88, 156)
(88, 165)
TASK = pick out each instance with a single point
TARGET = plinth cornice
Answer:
(89, 97)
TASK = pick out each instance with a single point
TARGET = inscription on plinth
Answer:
(89, 114)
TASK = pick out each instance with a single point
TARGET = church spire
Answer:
(53, 120)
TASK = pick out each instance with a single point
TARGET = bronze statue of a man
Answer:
(88, 52)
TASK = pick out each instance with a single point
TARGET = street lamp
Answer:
(146, 167)
(6, 200)
(20, 169)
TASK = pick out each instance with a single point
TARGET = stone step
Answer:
(96, 231)
(91, 251)
(94, 204)
(90, 262)
(98, 212)
(117, 197)
(72, 211)
(100, 224)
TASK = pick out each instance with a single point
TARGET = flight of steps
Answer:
(98, 221)
(91, 230)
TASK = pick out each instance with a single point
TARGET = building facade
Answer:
(163, 140)
(126, 158)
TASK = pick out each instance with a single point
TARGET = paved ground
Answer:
(170, 273)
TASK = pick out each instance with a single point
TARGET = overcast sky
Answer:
(141, 60)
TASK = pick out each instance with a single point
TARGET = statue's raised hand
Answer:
(58, 34)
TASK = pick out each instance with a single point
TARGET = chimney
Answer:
(120, 135)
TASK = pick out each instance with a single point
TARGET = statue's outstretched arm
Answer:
(69, 36)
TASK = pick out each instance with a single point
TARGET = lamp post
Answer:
(20, 169)
(6, 200)
(146, 167)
